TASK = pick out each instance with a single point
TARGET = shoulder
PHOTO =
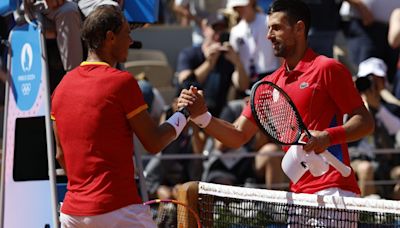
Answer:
(325, 63)
(238, 27)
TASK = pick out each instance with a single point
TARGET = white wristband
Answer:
(203, 120)
(178, 121)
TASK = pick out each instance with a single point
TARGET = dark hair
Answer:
(102, 19)
(296, 10)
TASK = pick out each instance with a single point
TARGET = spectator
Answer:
(192, 12)
(367, 32)
(6, 23)
(248, 40)
(87, 6)
(325, 23)
(62, 21)
(66, 20)
(367, 165)
(213, 66)
(375, 69)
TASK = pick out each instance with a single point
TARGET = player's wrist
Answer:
(203, 120)
(178, 121)
(337, 135)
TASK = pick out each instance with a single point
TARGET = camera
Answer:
(363, 83)
(224, 37)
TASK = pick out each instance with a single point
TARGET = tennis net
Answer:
(234, 207)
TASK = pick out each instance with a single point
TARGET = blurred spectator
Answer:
(367, 165)
(376, 69)
(325, 23)
(394, 29)
(166, 14)
(87, 6)
(61, 21)
(367, 32)
(192, 12)
(249, 39)
(6, 24)
(213, 66)
(65, 19)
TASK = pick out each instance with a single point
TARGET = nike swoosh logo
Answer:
(303, 164)
(177, 123)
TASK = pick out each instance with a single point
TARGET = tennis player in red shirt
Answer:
(96, 109)
(322, 90)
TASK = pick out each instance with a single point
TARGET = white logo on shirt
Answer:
(304, 85)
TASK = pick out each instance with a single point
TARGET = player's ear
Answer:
(110, 36)
(300, 27)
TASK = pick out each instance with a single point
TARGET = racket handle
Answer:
(338, 165)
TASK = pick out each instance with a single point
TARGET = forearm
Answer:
(227, 133)
(200, 73)
(240, 79)
(388, 97)
(203, 70)
(359, 125)
(159, 137)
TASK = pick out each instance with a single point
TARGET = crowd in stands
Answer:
(229, 53)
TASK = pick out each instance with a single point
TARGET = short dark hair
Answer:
(102, 19)
(296, 10)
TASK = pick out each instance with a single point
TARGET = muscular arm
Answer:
(154, 137)
(211, 53)
(240, 79)
(360, 124)
(232, 135)
(357, 126)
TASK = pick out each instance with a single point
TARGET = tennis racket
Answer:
(276, 114)
(172, 213)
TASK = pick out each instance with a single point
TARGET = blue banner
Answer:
(26, 69)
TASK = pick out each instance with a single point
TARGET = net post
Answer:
(188, 194)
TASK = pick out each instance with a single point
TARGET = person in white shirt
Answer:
(248, 39)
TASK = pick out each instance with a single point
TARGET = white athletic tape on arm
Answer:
(178, 121)
(203, 120)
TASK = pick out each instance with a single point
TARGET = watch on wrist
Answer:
(185, 112)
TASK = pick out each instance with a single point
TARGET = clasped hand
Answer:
(193, 100)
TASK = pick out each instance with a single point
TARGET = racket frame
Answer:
(302, 126)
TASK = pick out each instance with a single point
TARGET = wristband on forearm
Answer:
(178, 120)
(203, 120)
(337, 135)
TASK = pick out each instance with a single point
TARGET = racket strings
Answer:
(171, 215)
(277, 115)
(165, 215)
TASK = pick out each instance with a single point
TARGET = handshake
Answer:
(191, 102)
